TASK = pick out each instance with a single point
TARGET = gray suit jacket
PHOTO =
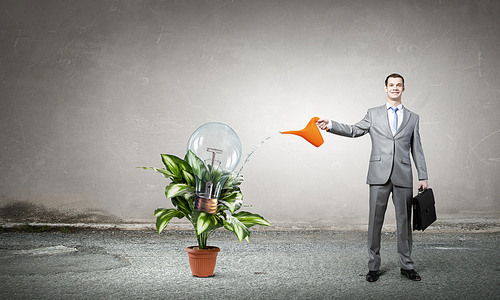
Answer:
(390, 156)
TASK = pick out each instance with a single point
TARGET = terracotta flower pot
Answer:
(202, 261)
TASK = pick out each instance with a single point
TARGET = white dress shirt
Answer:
(390, 113)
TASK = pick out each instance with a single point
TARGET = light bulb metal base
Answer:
(205, 204)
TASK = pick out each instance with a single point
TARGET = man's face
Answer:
(394, 88)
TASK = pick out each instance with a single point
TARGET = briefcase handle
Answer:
(421, 190)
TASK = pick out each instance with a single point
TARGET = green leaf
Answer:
(184, 165)
(233, 182)
(250, 219)
(163, 217)
(231, 195)
(164, 172)
(236, 226)
(172, 163)
(188, 177)
(232, 200)
(179, 190)
(207, 222)
(182, 205)
(197, 165)
(203, 222)
(226, 205)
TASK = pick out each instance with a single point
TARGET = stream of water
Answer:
(253, 151)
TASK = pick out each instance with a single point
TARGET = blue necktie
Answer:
(394, 125)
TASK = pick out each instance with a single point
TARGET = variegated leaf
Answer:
(202, 223)
(250, 219)
(188, 177)
(182, 205)
(171, 162)
(178, 190)
(196, 164)
(163, 217)
(233, 224)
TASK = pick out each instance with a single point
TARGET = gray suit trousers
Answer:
(402, 199)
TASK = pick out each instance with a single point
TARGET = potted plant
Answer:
(183, 174)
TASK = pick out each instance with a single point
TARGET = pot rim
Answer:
(209, 248)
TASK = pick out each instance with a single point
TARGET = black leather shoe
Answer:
(372, 276)
(411, 274)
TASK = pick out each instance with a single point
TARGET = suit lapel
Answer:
(406, 118)
(385, 117)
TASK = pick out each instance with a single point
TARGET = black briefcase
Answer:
(424, 210)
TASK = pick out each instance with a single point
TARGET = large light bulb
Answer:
(218, 149)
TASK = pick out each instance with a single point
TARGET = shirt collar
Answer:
(400, 106)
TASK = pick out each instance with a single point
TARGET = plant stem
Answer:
(204, 238)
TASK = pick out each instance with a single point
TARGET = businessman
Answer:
(394, 132)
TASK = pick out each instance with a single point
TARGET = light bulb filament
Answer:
(214, 152)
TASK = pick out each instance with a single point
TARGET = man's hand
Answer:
(423, 184)
(323, 124)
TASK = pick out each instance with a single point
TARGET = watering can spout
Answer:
(310, 133)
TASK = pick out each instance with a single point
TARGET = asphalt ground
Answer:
(301, 264)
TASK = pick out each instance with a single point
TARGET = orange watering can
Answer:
(310, 133)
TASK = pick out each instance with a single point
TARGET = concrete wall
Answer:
(92, 89)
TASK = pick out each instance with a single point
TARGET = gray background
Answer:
(92, 89)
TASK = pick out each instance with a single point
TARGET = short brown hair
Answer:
(394, 75)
